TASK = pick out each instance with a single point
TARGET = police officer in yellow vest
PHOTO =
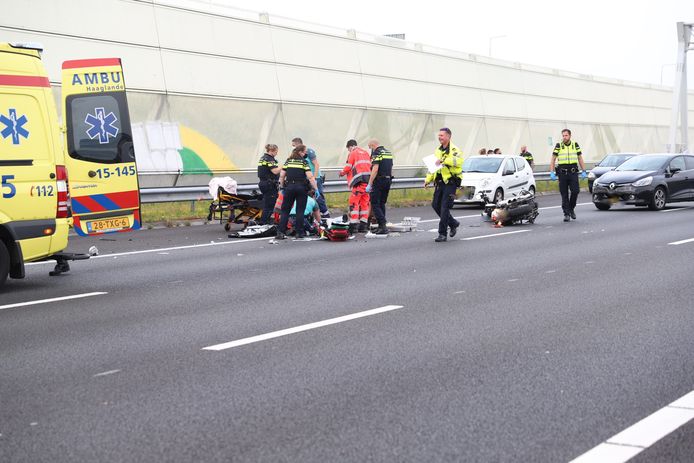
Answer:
(446, 180)
(567, 157)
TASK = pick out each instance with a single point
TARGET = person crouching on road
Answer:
(446, 180)
(268, 174)
(379, 183)
(357, 169)
(312, 217)
(296, 179)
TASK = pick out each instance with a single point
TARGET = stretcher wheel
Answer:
(227, 226)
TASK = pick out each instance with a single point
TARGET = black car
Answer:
(608, 163)
(647, 180)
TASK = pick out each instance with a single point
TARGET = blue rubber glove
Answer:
(584, 175)
(368, 188)
(552, 175)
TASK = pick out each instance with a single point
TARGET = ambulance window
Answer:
(99, 128)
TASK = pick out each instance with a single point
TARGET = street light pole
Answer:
(490, 42)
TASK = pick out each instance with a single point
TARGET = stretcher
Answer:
(236, 208)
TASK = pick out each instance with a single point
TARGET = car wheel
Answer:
(498, 195)
(602, 206)
(4, 263)
(659, 199)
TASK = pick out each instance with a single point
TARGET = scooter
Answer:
(518, 208)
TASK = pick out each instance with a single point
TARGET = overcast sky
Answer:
(632, 40)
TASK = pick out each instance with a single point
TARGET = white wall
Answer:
(243, 83)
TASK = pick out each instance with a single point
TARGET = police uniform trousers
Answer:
(568, 187)
(269, 190)
(294, 192)
(444, 194)
(379, 196)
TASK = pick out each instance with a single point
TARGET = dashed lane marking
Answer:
(480, 214)
(106, 373)
(298, 329)
(677, 243)
(493, 235)
(635, 439)
(677, 209)
(47, 301)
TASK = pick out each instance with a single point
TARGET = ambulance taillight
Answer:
(64, 206)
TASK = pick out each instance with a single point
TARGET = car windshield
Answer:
(482, 164)
(613, 160)
(644, 163)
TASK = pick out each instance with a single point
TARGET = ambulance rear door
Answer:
(100, 156)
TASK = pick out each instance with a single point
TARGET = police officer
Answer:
(296, 179)
(447, 179)
(528, 156)
(379, 183)
(268, 175)
(567, 157)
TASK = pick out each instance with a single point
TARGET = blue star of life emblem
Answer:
(101, 125)
(14, 126)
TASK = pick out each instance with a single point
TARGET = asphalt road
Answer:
(526, 343)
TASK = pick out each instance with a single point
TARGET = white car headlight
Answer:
(591, 176)
(643, 182)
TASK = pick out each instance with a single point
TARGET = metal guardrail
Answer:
(195, 193)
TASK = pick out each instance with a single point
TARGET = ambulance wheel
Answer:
(602, 206)
(498, 195)
(4, 263)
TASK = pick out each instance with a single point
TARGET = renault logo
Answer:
(613, 185)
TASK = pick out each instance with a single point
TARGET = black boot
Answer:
(567, 218)
(363, 227)
(573, 215)
(441, 239)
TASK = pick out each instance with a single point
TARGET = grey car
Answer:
(608, 163)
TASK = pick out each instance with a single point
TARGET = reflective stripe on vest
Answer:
(567, 154)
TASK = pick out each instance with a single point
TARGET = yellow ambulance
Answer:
(82, 174)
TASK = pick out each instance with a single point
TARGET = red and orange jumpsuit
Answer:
(358, 169)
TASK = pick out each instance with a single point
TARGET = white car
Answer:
(497, 176)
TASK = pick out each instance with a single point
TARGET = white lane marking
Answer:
(677, 209)
(550, 271)
(54, 299)
(493, 235)
(676, 243)
(106, 373)
(174, 248)
(633, 440)
(513, 279)
(298, 329)
(480, 214)
(459, 217)
(459, 292)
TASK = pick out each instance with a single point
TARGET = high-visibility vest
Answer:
(567, 154)
(451, 164)
(358, 167)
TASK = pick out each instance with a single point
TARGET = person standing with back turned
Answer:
(446, 180)
(297, 180)
(567, 156)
